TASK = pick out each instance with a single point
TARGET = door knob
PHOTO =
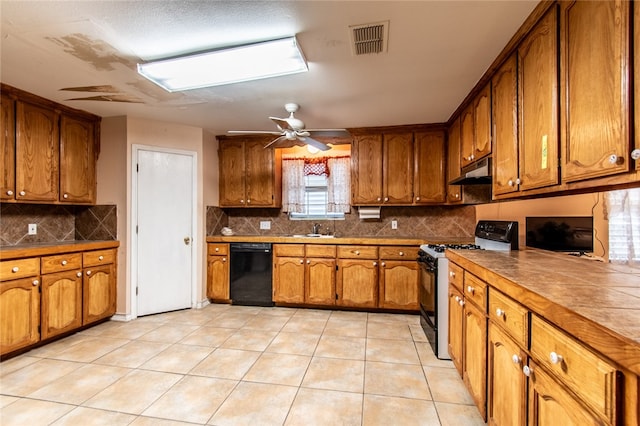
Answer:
(187, 240)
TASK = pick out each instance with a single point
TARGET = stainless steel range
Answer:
(434, 273)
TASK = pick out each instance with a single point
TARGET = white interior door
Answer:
(164, 231)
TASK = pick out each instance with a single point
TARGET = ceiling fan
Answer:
(292, 132)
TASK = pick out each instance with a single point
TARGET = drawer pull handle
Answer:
(100, 257)
(64, 262)
(516, 359)
(35, 282)
(15, 269)
(401, 253)
(217, 249)
(555, 358)
(470, 289)
(357, 252)
(499, 312)
(79, 274)
(526, 370)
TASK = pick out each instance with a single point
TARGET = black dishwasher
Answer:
(250, 275)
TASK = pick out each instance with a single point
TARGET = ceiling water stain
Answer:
(99, 89)
(111, 98)
(101, 55)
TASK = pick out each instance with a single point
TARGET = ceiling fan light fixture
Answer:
(227, 66)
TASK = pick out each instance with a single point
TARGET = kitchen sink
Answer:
(312, 236)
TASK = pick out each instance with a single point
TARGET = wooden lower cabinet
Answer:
(456, 312)
(288, 279)
(399, 284)
(507, 384)
(320, 281)
(20, 313)
(99, 297)
(218, 272)
(61, 303)
(357, 283)
(474, 355)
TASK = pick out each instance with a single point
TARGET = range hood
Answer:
(478, 173)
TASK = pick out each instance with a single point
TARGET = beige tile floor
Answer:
(238, 365)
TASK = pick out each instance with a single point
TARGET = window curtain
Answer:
(623, 212)
(339, 185)
(293, 187)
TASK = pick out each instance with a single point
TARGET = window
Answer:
(316, 199)
(623, 210)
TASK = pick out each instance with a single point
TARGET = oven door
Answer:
(427, 291)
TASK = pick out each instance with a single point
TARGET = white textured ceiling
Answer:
(437, 51)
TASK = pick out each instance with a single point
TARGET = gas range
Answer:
(437, 250)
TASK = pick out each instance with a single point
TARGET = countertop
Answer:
(45, 249)
(597, 302)
(288, 239)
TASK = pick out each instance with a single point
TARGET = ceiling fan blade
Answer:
(253, 132)
(282, 123)
(276, 141)
(314, 143)
(330, 132)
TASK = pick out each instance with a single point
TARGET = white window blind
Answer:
(623, 210)
(315, 199)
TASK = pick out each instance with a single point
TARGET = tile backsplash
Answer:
(413, 222)
(56, 223)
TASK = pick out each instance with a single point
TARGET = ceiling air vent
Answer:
(369, 38)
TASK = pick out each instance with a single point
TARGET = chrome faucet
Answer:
(316, 228)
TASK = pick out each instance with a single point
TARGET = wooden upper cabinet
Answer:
(398, 168)
(505, 128)
(475, 132)
(429, 167)
(232, 174)
(77, 160)
(366, 169)
(37, 153)
(7, 149)
(454, 192)
(594, 41)
(260, 178)
(538, 105)
(636, 67)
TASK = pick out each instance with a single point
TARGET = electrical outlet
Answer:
(33, 228)
(394, 224)
(265, 224)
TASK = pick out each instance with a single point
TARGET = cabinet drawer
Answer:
(456, 275)
(592, 378)
(288, 250)
(313, 250)
(61, 262)
(215, 249)
(19, 268)
(476, 290)
(509, 314)
(98, 257)
(357, 252)
(398, 253)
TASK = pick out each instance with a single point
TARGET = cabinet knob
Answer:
(461, 302)
(470, 289)
(224, 259)
(401, 253)
(510, 182)
(635, 155)
(241, 201)
(65, 196)
(378, 199)
(457, 195)
(357, 252)
(614, 159)
(88, 273)
(375, 263)
(9, 192)
(417, 198)
(217, 249)
(516, 359)
(518, 181)
(35, 282)
(555, 358)
(22, 193)
(526, 370)
(386, 199)
(64, 262)
(15, 269)
(79, 274)
(301, 261)
(383, 264)
(452, 274)
(499, 312)
(308, 262)
(248, 201)
(100, 257)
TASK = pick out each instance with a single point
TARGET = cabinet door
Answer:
(99, 294)
(320, 283)
(466, 136)
(482, 124)
(399, 284)
(19, 313)
(232, 174)
(218, 278)
(397, 166)
(505, 128)
(507, 385)
(595, 88)
(37, 153)
(456, 312)
(475, 355)
(61, 303)
(538, 104)
(636, 68)
(551, 404)
(7, 149)
(357, 283)
(366, 170)
(429, 177)
(77, 160)
(260, 176)
(288, 280)
(454, 192)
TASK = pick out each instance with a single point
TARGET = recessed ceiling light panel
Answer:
(226, 66)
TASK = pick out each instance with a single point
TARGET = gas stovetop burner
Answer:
(440, 248)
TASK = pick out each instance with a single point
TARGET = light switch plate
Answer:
(33, 229)
(394, 224)
(265, 224)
